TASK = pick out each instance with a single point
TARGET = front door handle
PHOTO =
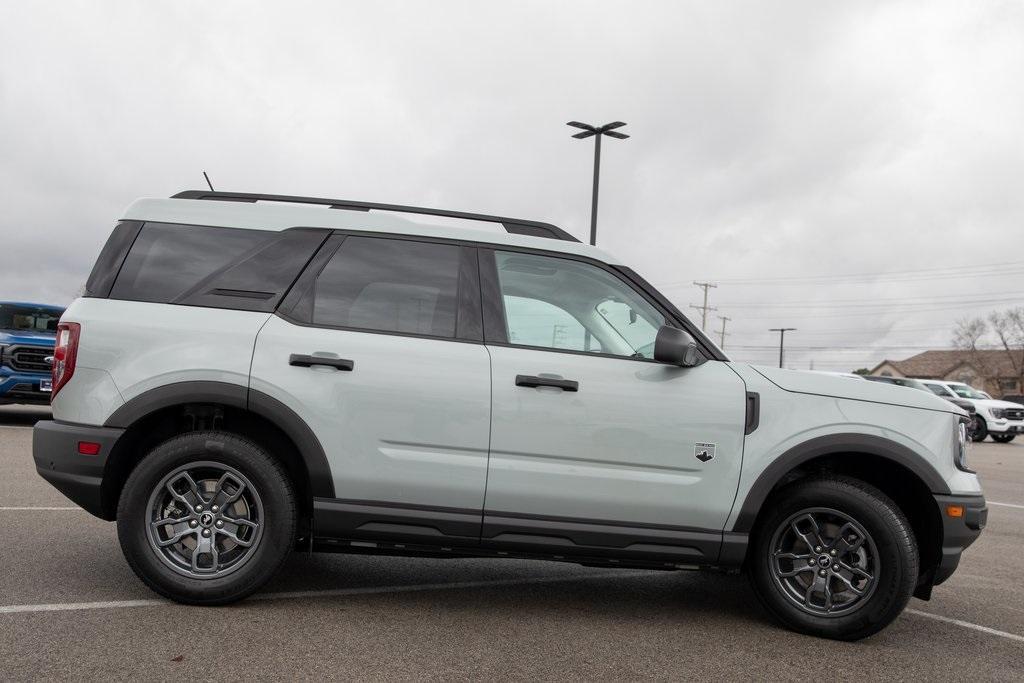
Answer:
(302, 360)
(532, 381)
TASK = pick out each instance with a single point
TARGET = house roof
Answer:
(938, 364)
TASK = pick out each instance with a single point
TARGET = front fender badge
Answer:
(704, 451)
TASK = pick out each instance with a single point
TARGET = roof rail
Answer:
(514, 226)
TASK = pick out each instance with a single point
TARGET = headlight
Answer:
(960, 445)
(998, 413)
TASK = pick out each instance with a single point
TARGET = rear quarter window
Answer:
(215, 267)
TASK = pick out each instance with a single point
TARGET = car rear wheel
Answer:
(1003, 438)
(834, 557)
(206, 518)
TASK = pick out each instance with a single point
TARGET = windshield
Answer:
(29, 318)
(964, 391)
(940, 390)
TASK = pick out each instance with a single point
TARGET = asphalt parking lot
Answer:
(71, 608)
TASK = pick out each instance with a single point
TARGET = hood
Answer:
(27, 337)
(854, 388)
(994, 403)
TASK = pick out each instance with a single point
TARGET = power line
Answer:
(875, 312)
(952, 298)
(945, 270)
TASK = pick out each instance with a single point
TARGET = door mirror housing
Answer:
(676, 347)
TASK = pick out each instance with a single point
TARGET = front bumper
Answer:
(55, 449)
(1006, 427)
(958, 532)
(23, 387)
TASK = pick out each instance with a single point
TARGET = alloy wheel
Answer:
(824, 562)
(205, 520)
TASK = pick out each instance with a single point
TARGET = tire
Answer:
(979, 429)
(1003, 438)
(870, 522)
(180, 482)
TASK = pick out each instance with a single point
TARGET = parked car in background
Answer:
(916, 384)
(1001, 420)
(1014, 398)
(27, 334)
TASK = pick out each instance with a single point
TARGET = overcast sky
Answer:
(789, 151)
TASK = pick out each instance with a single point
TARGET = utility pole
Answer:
(782, 338)
(705, 308)
(721, 342)
(597, 132)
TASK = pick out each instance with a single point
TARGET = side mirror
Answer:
(676, 347)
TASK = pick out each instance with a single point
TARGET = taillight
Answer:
(65, 351)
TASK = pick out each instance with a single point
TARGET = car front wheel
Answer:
(978, 429)
(834, 557)
(1003, 438)
(206, 518)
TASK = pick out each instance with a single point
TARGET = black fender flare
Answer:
(236, 396)
(830, 445)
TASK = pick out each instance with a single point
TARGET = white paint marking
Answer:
(1006, 505)
(967, 624)
(294, 595)
(44, 509)
(71, 606)
(413, 588)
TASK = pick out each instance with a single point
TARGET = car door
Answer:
(378, 348)
(594, 445)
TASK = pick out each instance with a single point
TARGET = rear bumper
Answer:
(958, 532)
(79, 477)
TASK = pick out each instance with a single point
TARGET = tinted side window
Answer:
(560, 303)
(217, 267)
(389, 285)
(101, 279)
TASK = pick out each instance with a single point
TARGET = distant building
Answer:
(989, 370)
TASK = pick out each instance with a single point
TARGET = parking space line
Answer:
(967, 624)
(422, 587)
(44, 509)
(1006, 505)
(330, 593)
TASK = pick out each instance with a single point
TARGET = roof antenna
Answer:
(208, 181)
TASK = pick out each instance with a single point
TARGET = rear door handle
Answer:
(302, 360)
(532, 381)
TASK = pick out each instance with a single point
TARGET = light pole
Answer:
(782, 338)
(597, 132)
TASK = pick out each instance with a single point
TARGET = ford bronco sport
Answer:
(248, 374)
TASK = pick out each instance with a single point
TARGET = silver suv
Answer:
(248, 374)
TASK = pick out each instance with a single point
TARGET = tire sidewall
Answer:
(278, 523)
(897, 558)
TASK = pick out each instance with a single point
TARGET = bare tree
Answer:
(1008, 327)
(968, 332)
(967, 336)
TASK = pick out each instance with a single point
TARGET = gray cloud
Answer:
(769, 139)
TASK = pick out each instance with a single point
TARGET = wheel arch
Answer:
(156, 415)
(900, 473)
